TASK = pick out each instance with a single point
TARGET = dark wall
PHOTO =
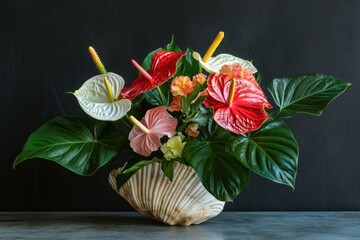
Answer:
(43, 54)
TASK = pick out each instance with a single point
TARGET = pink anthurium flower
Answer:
(163, 67)
(238, 102)
(145, 136)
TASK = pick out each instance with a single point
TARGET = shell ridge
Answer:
(183, 201)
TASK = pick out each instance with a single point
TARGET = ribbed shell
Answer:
(183, 201)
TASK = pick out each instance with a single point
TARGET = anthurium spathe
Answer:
(145, 136)
(163, 67)
(215, 63)
(238, 103)
(93, 97)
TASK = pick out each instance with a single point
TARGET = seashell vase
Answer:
(184, 201)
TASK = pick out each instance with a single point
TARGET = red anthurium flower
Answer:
(238, 102)
(236, 71)
(163, 67)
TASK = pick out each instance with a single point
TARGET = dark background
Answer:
(43, 54)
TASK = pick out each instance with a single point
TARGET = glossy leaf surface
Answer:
(271, 152)
(305, 94)
(222, 174)
(80, 144)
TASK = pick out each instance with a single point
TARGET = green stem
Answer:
(182, 127)
(127, 121)
(186, 121)
(192, 115)
(161, 96)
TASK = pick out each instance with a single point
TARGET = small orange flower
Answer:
(175, 105)
(192, 130)
(236, 71)
(199, 79)
(181, 86)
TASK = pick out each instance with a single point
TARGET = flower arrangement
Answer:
(209, 113)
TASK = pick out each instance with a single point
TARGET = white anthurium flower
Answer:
(94, 99)
(215, 63)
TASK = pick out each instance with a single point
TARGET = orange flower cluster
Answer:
(182, 86)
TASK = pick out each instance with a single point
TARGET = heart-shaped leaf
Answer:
(215, 63)
(188, 66)
(80, 144)
(271, 152)
(221, 174)
(305, 94)
(93, 98)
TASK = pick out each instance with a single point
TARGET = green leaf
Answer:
(221, 173)
(124, 176)
(80, 144)
(213, 128)
(258, 77)
(305, 94)
(172, 46)
(271, 152)
(168, 168)
(192, 107)
(154, 98)
(186, 101)
(202, 116)
(187, 65)
(147, 61)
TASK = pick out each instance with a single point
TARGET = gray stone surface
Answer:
(228, 225)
